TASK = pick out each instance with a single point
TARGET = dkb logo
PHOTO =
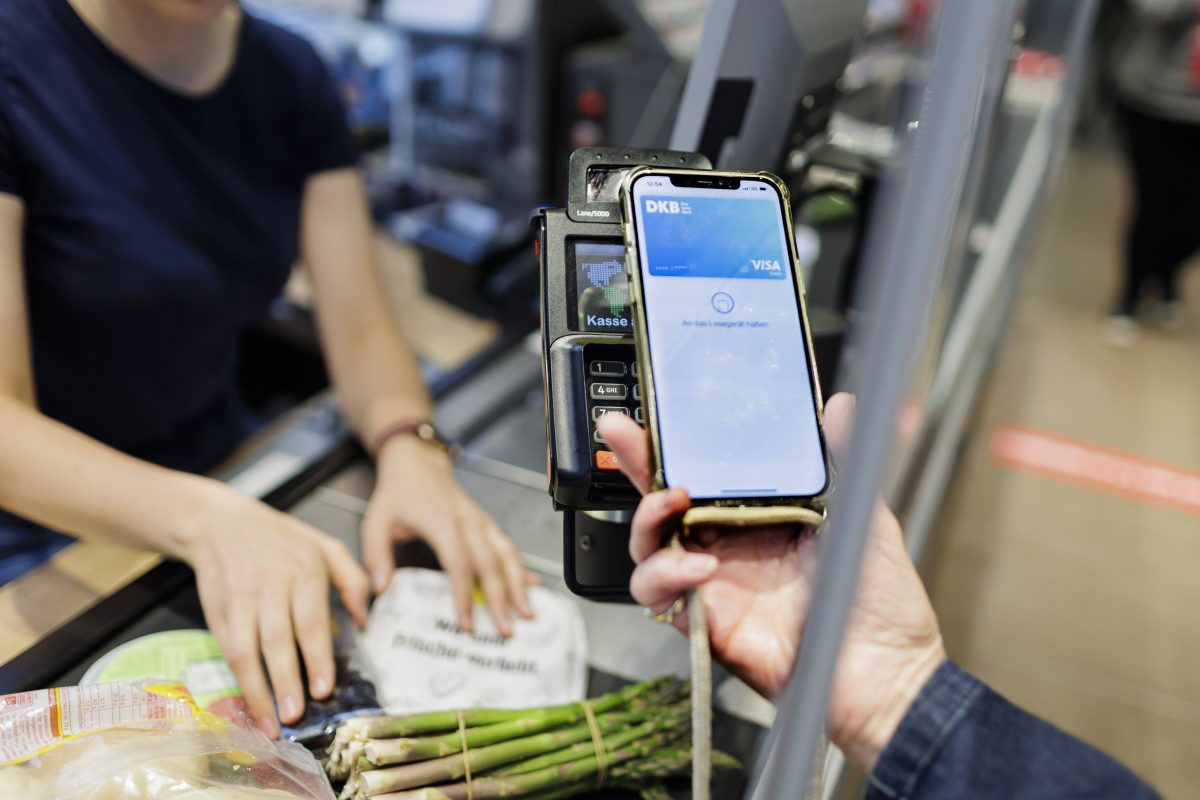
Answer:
(667, 207)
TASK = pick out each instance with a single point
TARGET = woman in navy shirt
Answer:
(163, 164)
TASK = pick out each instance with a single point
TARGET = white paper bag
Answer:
(418, 659)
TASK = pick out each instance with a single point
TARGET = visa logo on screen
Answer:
(766, 265)
(668, 207)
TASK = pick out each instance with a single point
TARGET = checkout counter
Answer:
(90, 598)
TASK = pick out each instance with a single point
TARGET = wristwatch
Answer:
(424, 430)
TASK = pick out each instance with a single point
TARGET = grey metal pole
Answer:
(904, 260)
(757, 62)
(1076, 49)
(702, 76)
(992, 284)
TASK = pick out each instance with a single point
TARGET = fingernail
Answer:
(290, 708)
(698, 566)
(380, 580)
(321, 686)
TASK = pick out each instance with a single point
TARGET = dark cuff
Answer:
(929, 721)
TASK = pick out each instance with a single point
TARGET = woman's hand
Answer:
(416, 495)
(378, 382)
(264, 582)
(757, 586)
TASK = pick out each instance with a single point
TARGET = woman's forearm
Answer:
(374, 371)
(62, 479)
(381, 384)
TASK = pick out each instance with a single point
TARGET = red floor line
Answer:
(1101, 468)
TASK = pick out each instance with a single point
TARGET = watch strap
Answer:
(424, 430)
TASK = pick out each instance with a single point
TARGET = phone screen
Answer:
(736, 410)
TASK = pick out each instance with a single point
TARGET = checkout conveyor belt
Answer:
(498, 416)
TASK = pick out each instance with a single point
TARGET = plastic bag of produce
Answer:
(414, 653)
(124, 741)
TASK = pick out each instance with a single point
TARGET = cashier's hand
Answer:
(416, 495)
(756, 587)
(264, 578)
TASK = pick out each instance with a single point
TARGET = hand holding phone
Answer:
(730, 392)
(758, 582)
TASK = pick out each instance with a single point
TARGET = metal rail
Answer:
(906, 252)
(983, 311)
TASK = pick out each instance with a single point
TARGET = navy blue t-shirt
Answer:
(158, 225)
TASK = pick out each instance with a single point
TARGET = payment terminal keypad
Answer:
(612, 388)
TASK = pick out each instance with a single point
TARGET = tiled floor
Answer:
(1083, 605)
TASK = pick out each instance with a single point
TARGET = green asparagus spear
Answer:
(627, 776)
(655, 791)
(408, 725)
(666, 762)
(393, 727)
(668, 721)
(562, 792)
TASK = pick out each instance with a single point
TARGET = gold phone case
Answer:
(646, 368)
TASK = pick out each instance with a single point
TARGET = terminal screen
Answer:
(601, 288)
(728, 351)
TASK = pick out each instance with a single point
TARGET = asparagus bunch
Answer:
(528, 753)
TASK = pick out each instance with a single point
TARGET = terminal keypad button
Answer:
(606, 369)
(638, 417)
(600, 411)
(633, 369)
(607, 460)
(608, 391)
(637, 391)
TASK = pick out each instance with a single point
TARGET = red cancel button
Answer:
(607, 460)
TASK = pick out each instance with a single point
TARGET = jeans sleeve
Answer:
(961, 739)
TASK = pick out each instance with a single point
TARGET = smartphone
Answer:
(730, 392)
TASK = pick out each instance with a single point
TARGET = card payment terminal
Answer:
(589, 365)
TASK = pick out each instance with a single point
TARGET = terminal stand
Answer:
(596, 562)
